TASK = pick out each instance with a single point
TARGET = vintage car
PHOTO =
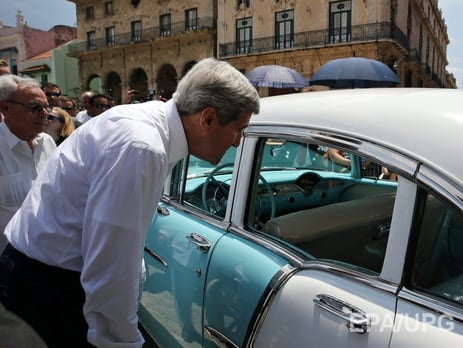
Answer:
(280, 245)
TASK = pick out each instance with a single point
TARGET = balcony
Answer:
(318, 38)
(145, 35)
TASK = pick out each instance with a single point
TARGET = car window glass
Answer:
(207, 186)
(438, 262)
(321, 209)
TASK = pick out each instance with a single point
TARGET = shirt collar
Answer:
(178, 147)
(12, 140)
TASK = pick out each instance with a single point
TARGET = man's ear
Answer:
(208, 117)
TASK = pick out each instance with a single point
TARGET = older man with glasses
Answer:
(24, 147)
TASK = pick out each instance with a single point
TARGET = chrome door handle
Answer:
(163, 211)
(155, 256)
(357, 320)
(202, 244)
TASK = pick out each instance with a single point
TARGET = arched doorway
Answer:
(94, 84)
(188, 66)
(113, 87)
(139, 82)
(166, 81)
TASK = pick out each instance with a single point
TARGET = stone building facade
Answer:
(148, 45)
(142, 45)
(410, 36)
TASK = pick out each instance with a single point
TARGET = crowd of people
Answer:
(76, 200)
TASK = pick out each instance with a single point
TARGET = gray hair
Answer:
(9, 85)
(216, 83)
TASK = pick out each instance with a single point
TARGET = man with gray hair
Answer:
(80, 232)
(23, 147)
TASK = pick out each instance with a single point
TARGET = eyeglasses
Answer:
(52, 94)
(55, 118)
(68, 107)
(33, 107)
(102, 106)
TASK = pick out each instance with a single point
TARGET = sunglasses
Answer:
(55, 118)
(34, 107)
(102, 106)
(68, 107)
(52, 94)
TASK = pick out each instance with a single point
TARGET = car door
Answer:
(340, 223)
(430, 304)
(201, 279)
(177, 252)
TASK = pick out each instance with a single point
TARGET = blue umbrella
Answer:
(354, 72)
(276, 76)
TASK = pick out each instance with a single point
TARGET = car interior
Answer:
(302, 199)
(438, 260)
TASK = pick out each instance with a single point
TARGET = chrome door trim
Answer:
(220, 340)
(369, 280)
(441, 185)
(264, 304)
(431, 304)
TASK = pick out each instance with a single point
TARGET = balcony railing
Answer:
(317, 38)
(144, 35)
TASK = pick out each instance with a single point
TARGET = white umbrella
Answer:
(276, 76)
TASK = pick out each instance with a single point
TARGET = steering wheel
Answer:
(217, 205)
(272, 203)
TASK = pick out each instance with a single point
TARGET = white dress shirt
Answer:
(19, 166)
(91, 207)
(83, 116)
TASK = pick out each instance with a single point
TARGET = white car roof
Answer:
(423, 123)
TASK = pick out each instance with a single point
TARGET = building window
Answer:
(110, 36)
(14, 66)
(284, 27)
(340, 21)
(165, 28)
(244, 35)
(191, 19)
(108, 8)
(90, 12)
(136, 31)
(91, 40)
(245, 3)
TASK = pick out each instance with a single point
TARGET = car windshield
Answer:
(287, 155)
(278, 155)
(199, 168)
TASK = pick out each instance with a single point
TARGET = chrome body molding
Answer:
(433, 305)
(262, 309)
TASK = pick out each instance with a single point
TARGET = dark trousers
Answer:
(49, 299)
